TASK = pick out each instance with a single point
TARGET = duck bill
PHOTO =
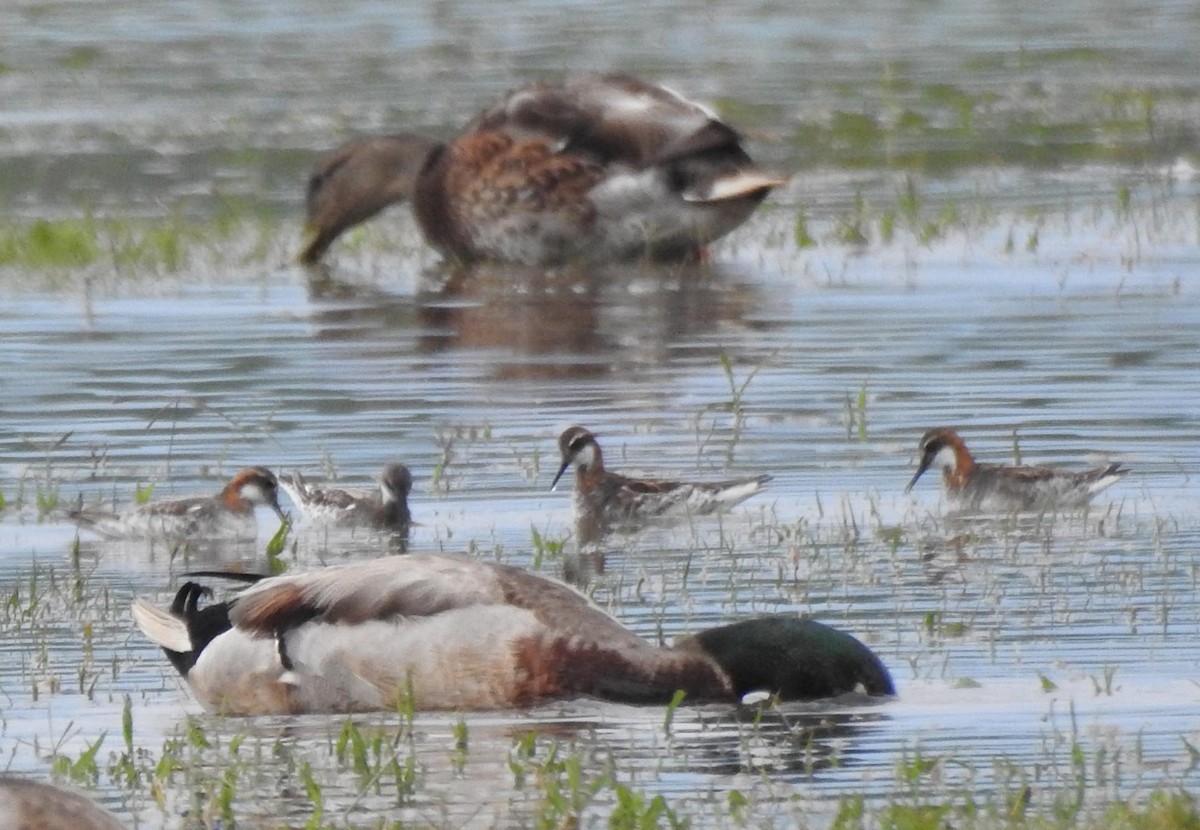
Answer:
(561, 470)
(924, 465)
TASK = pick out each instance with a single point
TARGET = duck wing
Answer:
(613, 118)
(406, 586)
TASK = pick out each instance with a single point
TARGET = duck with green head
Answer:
(448, 632)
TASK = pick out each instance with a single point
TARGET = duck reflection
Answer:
(473, 767)
(533, 323)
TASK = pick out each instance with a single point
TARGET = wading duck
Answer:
(383, 509)
(32, 805)
(598, 168)
(229, 515)
(999, 488)
(459, 633)
(612, 498)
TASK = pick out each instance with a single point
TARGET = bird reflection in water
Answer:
(537, 324)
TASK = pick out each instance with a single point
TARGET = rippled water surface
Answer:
(1005, 240)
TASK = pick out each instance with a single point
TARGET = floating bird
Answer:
(449, 632)
(382, 509)
(995, 487)
(32, 805)
(614, 499)
(597, 168)
(227, 515)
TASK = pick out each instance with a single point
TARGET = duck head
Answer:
(791, 658)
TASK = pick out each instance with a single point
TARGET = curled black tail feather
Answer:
(203, 624)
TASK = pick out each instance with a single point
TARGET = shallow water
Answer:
(1045, 315)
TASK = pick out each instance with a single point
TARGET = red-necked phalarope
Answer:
(995, 487)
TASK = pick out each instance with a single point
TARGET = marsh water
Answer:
(993, 224)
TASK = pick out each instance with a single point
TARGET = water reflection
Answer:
(486, 768)
(789, 740)
(571, 323)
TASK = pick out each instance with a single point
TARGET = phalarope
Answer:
(615, 498)
(996, 487)
(227, 515)
(382, 509)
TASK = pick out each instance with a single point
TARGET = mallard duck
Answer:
(459, 633)
(612, 498)
(996, 487)
(32, 805)
(227, 515)
(597, 168)
(383, 509)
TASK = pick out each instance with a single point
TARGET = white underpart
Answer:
(455, 659)
(205, 519)
(637, 207)
(1103, 483)
(693, 499)
(726, 497)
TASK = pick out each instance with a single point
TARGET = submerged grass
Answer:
(386, 773)
(136, 247)
(456, 770)
(962, 586)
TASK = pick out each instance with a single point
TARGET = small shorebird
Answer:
(996, 487)
(382, 509)
(451, 632)
(614, 498)
(227, 515)
(597, 168)
(32, 805)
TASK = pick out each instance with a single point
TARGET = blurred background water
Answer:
(992, 224)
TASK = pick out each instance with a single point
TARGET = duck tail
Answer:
(162, 627)
(739, 184)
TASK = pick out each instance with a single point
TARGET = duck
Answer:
(26, 804)
(612, 498)
(382, 509)
(596, 168)
(229, 515)
(441, 631)
(974, 486)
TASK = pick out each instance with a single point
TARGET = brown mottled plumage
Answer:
(995, 487)
(596, 168)
(469, 634)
